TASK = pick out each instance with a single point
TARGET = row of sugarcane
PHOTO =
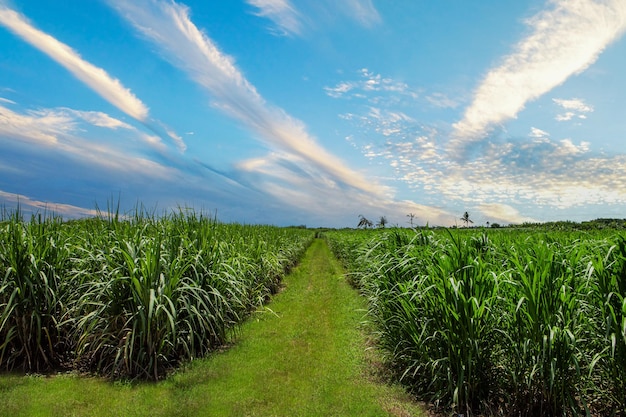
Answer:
(484, 322)
(131, 296)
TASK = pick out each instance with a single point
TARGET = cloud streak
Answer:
(293, 19)
(564, 40)
(109, 88)
(96, 78)
(281, 12)
(59, 130)
(290, 181)
(28, 204)
(169, 27)
(503, 213)
(362, 11)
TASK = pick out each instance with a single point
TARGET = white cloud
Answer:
(293, 17)
(504, 213)
(542, 173)
(538, 133)
(576, 108)
(573, 104)
(281, 12)
(536, 174)
(96, 78)
(60, 130)
(340, 89)
(362, 11)
(368, 83)
(41, 127)
(46, 126)
(563, 117)
(100, 119)
(294, 183)
(564, 40)
(168, 26)
(28, 204)
(568, 148)
(6, 100)
(109, 88)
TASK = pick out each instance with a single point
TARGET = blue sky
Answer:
(315, 112)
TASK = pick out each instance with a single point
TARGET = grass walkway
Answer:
(303, 356)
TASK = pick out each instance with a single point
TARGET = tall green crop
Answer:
(609, 323)
(33, 259)
(132, 295)
(505, 322)
(546, 327)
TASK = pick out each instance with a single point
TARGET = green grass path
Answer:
(304, 355)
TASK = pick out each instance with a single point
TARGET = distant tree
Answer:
(466, 219)
(382, 222)
(411, 216)
(364, 223)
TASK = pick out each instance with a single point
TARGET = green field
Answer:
(303, 355)
(132, 297)
(505, 321)
(473, 321)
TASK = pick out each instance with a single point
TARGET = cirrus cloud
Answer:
(281, 12)
(564, 40)
(109, 88)
(169, 27)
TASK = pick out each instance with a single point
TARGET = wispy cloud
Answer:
(100, 119)
(575, 108)
(527, 175)
(96, 78)
(169, 27)
(369, 82)
(362, 11)
(564, 40)
(292, 182)
(503, 213)
(442, 100)
(62, 130)
(281, 12)
(294, 17)
(35, 126)
(538, 133)
(30, 205)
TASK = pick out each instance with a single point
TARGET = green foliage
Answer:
(132, 296)
(498, 321)
(33, 259)
(285, 361)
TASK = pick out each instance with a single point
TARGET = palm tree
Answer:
(466, 219)
(411, 216)
(382, 222)
(364, 223)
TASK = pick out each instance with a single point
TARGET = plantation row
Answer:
(498, 322)
(131, 297)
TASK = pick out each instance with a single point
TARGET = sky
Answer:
(316, 112)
